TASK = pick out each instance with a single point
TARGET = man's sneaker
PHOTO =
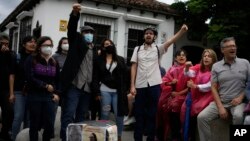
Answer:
(125, 118)
(129, 121)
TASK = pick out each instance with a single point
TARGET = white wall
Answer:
(167, 28)
(121, 29)
(49, 13)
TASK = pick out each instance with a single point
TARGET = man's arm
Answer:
(222, 111)
(73, 22)
(11, 88)
(133, 75)
(12, 77)
(173, 39)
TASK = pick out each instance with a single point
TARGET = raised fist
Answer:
(76, 8)
(184, 27)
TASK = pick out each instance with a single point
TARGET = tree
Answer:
(227, 18)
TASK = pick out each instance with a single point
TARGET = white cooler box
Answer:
(101, 130)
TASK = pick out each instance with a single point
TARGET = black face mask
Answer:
(109, 49)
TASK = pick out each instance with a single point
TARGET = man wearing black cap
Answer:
(77, 71)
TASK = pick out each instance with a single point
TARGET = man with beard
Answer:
(146, 80)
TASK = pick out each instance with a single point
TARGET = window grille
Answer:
(25, 28)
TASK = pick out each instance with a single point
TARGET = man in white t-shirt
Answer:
(146, 80)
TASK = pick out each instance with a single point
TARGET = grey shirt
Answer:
(60, 58)
(84, 75)
(231, 78)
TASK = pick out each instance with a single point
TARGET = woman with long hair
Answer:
(200, 87)
(20, 87)
(110, 81)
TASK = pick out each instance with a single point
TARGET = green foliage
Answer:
(227, 18)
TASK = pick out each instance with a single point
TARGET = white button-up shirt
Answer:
(147, 59)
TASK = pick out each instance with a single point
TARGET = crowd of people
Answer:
(80, 77)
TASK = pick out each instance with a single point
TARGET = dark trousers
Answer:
(175, 125)
(74, 106)
(7, 115)
(192, 129)
(145, 108)
(95, 108)
(42, 115)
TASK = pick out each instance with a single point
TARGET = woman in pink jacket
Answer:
(200, 87)
(174, 90)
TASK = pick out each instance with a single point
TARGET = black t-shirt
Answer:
(20, 79)
(7, 62)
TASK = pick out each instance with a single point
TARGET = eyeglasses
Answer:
(47, 45)
(230, 46)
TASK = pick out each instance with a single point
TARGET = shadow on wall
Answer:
(193, 53)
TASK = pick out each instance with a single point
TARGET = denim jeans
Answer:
(75, 105)
(20, 113)
(145, 108)
(108, 99)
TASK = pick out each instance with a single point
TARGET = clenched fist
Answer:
(76, 8)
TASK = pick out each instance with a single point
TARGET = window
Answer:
(104, 27)
(25, 28)
(101, 32)
(135, 38)
(14, 41)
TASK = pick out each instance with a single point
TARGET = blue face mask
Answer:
(88, 37)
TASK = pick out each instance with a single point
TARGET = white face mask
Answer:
(47, 50)
(65, 47)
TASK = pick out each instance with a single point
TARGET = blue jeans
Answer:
(145, 108)
(20, 113)
(75, 105)
(108, 99)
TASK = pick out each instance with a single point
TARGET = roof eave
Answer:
(24, 5)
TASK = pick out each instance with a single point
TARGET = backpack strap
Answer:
(158, 52)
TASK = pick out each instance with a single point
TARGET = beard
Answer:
(149, 41)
